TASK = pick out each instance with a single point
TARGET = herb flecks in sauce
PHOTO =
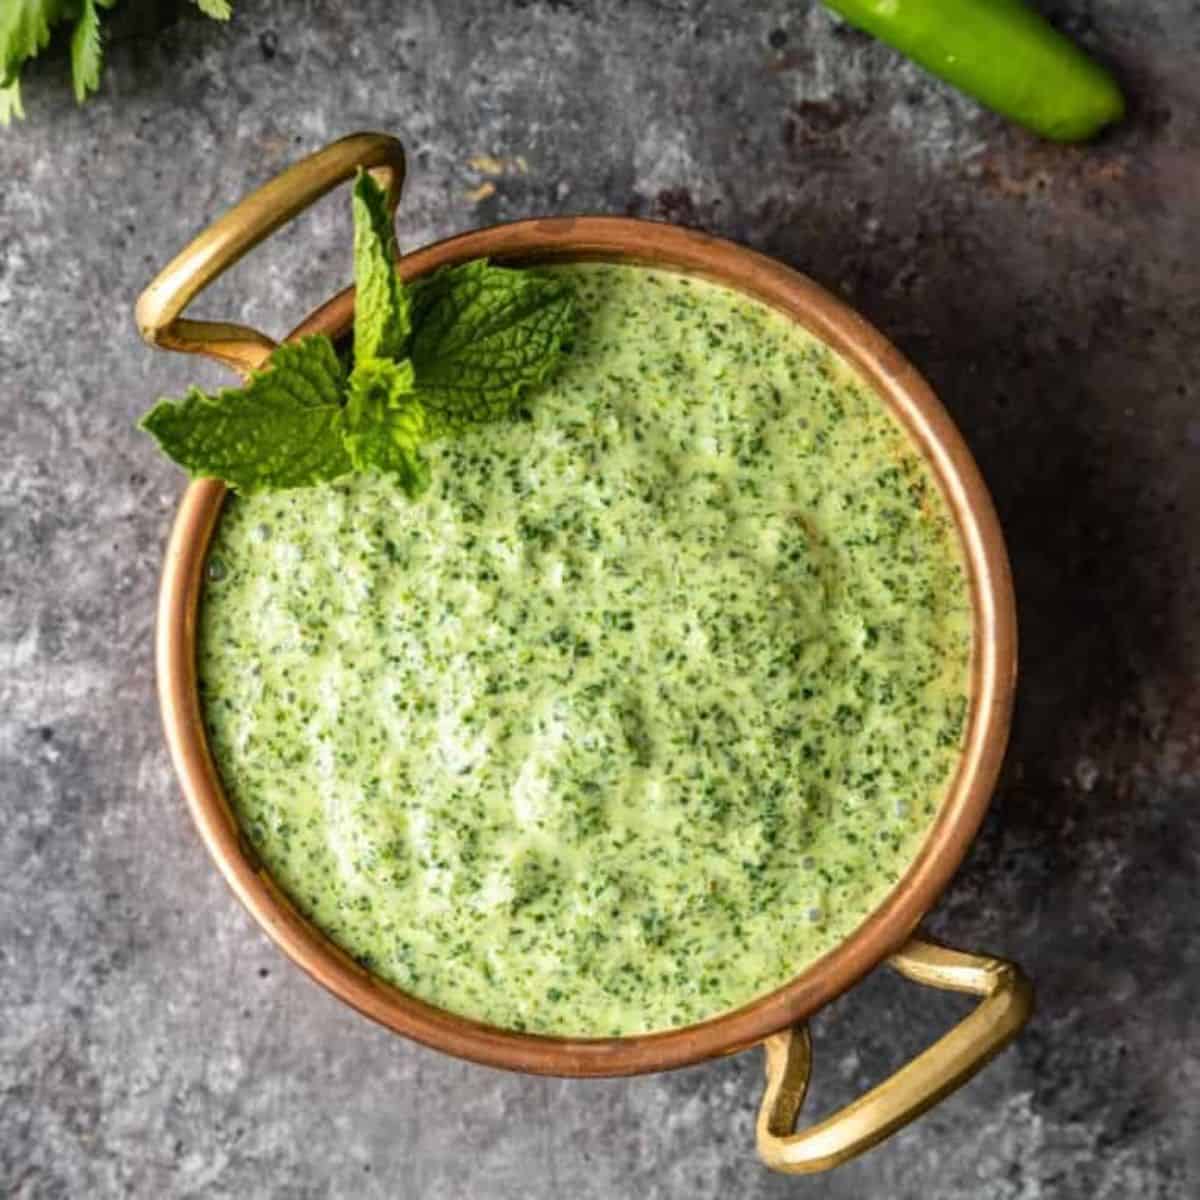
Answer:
(646, 704)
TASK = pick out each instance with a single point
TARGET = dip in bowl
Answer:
(642, 708)
(664, 717)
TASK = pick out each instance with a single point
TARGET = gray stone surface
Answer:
(152, 1042)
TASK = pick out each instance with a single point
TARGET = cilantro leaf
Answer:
(87, 51)
(385, 425)
(10, 102)
(381, 313)
(283, 429)
(483, 336)
(25, 31)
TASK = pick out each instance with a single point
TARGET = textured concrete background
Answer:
(152, 1042)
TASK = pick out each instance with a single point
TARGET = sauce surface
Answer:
(642, 708)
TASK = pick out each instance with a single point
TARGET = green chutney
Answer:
(644, 706)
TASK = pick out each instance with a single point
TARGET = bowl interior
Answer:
(991, 684)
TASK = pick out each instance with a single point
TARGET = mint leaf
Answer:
(87, 50)
(483, 336)
(283, 429)
(385, 425)
(381, 315)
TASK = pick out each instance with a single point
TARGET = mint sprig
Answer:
(460, 348)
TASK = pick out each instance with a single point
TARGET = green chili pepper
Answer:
(1002, 53)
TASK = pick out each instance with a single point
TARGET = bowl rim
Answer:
(993, 670)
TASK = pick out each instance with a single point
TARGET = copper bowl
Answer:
(775, 1019)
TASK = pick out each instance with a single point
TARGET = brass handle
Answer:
(160, 306)
(1007, 1004)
